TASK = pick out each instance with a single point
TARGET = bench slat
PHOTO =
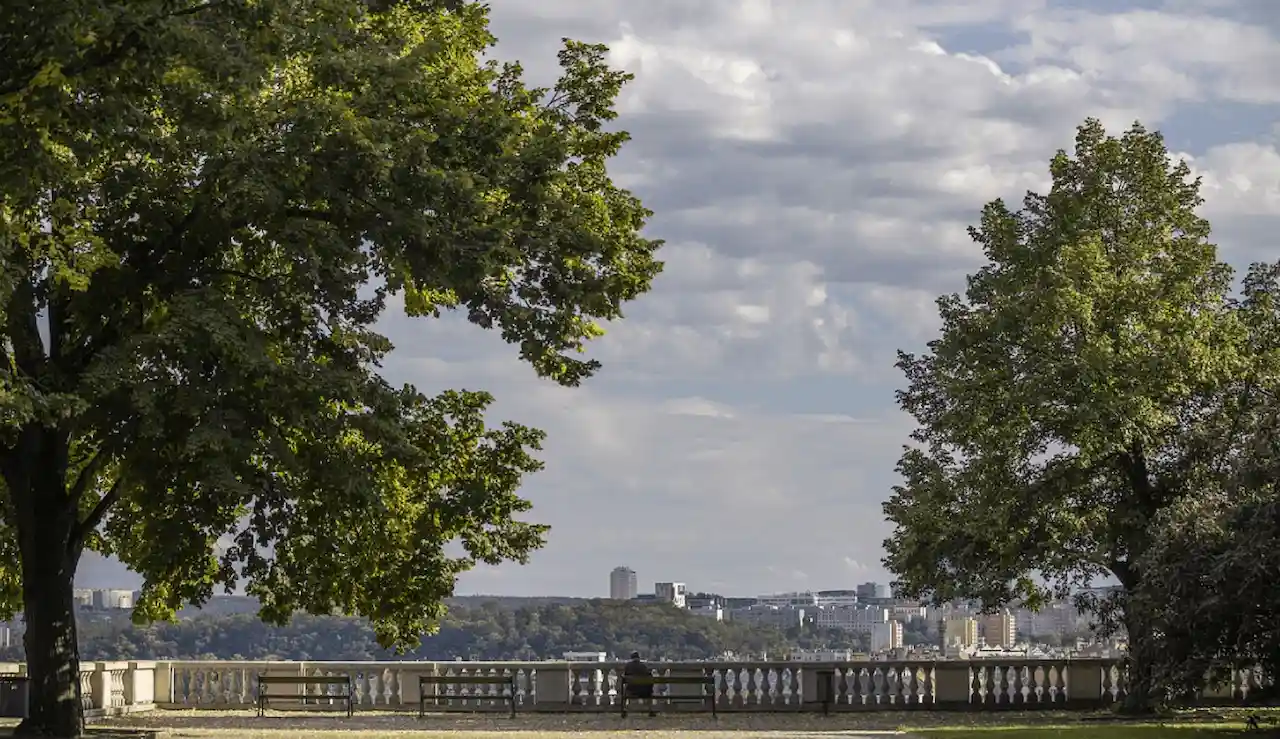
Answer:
(670, 680)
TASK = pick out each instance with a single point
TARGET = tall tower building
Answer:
(1000, 629)
(622, 583)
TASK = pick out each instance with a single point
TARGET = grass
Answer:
(1079, 731)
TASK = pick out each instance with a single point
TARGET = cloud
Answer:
(813, 165)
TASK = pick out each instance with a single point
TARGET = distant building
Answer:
(886, 637)
(586, 657)
(824, 655)
(999, 630)
(671, 592)
(785, 600)
(622, 583)
(873, 591)
(782, 617)
(110, 600)
(960, 631)
(711, 611)
(907, 611)
(856, 619)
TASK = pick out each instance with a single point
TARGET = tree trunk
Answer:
(1140, 677)
(46, 521)
(53, 661)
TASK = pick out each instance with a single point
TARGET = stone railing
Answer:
(110, 688)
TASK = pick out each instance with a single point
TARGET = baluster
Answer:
(910, 686)
(980, 683)
(1017, 684)
(927, 696)
(1034, 679)
(855, 686)
(732, 677)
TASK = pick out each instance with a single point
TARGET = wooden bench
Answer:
(265, 696)
(505, 681)
(653, 681)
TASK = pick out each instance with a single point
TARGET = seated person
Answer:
(637, 668)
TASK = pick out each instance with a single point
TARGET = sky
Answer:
(813, 165)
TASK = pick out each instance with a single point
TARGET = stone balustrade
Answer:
(110, 688)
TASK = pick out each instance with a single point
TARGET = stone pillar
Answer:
(1084, 683)
(410, 687)
(140, 684)
(100, 684)
(952, 685)
(162, 691)
(817, 686)
(551, 684)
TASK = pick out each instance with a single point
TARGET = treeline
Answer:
(485, 632)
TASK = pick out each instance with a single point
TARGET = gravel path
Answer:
(213, 724)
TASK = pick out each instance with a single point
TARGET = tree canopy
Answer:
(205, 207)
(1090, 377)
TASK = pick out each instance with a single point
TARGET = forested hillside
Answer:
(488, 631)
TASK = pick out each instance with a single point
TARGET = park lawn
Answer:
(1090, 731)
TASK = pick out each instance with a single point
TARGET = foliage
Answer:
(204, 209)
(1085, 382)
(484, 632)
(1210, 574)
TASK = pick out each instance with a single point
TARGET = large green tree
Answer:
(1086, 381)
(205, 206)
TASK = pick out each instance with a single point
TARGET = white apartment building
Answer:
(907, 611)
(671, 592)
(857, 619)
(622, 584)
(822, 655)
(886, 637)
(784, 617)
(108, 600)
(788, 600)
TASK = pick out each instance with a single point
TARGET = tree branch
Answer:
(87, 475)
(90, 523)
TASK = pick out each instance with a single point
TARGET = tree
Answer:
(204, 208)
(1085, 382)
(1210, 573)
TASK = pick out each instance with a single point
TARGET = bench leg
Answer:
(351, 707)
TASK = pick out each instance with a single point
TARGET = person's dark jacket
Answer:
(634, 668)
